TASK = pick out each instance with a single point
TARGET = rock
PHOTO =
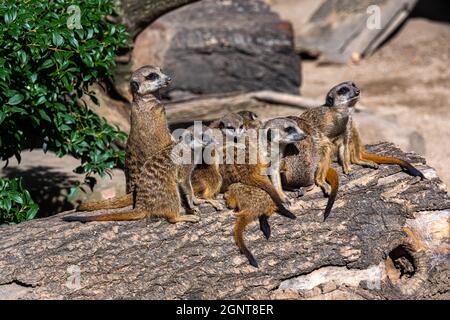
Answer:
(343, 31)
(387, 238)
(245, 47)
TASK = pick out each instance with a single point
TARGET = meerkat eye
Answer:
(290, 130)
(152, 76)
(241, 126)
(343, 91)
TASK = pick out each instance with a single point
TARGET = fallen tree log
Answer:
(387, 238)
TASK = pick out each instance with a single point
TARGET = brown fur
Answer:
(158, 192)
(333, 121)
(252, 203)
(300, 166)
(149, 133)
(251, 174)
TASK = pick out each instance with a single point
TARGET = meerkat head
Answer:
(251, 120)
(283, 131)
(148, 80)
(232, 125)
(345, 94)
(198, 136)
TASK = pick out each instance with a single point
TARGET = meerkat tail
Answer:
(113, 203)
(242, 221)
(405, 165)
(264, 226)
(268, 187)
(332, 179)
(116, 216)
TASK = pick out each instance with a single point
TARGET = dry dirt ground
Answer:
(406, 83)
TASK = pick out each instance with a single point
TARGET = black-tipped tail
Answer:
(264, 226)
(286, 213)
(413, 171)
(332, 179)
(76, 218)
(251, 259)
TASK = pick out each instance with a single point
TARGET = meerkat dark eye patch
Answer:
(343, 91)
(152, 76)
(290, 130)
(134, 86)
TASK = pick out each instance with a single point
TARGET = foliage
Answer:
(16, 204)
(46, 68)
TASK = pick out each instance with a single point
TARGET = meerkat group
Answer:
(308, 143)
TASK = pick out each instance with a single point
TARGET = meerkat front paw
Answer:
(347, 169)
(191, 218)
(197, 201)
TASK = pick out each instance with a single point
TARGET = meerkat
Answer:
(255, 174)
(252, 203)
(251, 120)
(351, 149)
(301, 161)
(161, 187)
(207, 179)
(332, 121)
(285, 131)
(149, 132)
(335, 121)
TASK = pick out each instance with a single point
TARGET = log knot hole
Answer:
(403, 261)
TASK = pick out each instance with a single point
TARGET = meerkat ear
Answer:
(253, 116)
(134, 87)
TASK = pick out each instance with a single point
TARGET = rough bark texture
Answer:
(387, 238)
(217, 46)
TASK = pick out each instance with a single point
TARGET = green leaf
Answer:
(47, 64)
(16, 99)
(44, 115)
(32, 212)
(73, 193)
(57, 39)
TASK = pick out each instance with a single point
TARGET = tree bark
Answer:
(387, 238)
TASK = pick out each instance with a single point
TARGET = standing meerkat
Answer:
(149, 132)
(252, 203)
(332, 121)
(335, 121)
(163, 184)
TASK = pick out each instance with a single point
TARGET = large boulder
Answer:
(221, 46)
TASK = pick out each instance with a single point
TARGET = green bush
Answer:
(15, 202)
(46, 66)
